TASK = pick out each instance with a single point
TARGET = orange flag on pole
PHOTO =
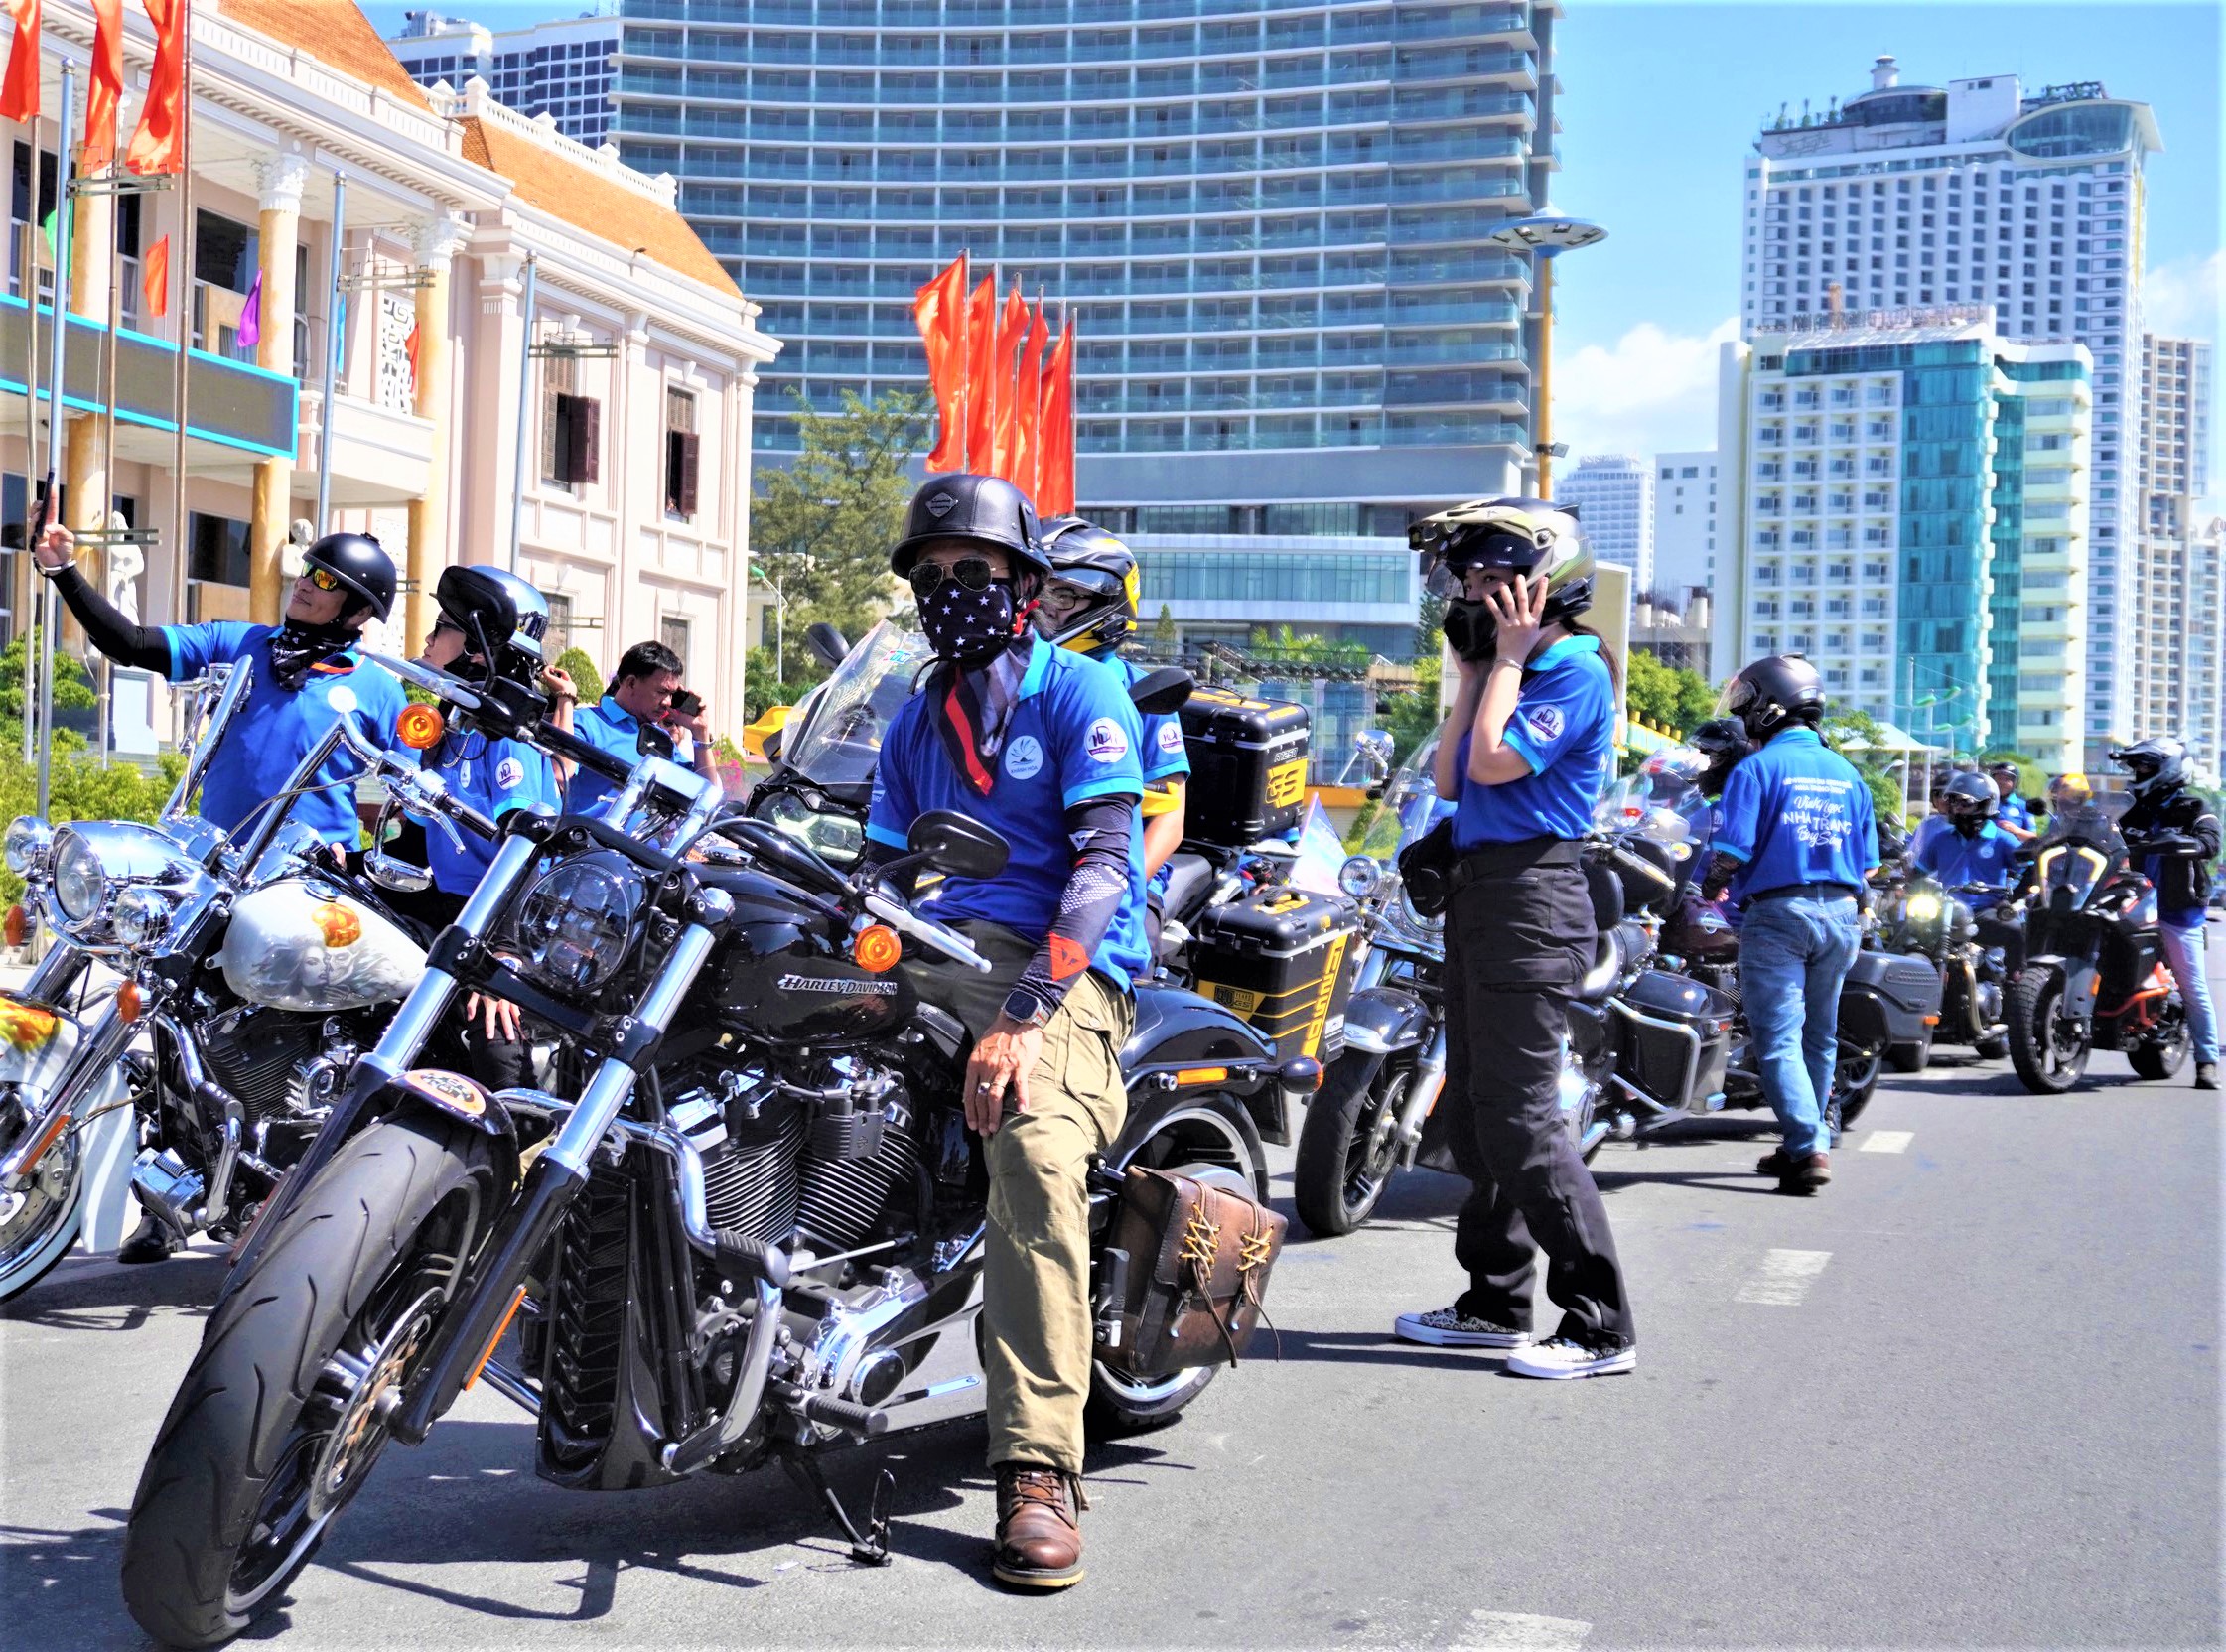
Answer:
(1010, 329)
(940, 311)
(154, 285)
(108, 87)
(1028, 442)
(1054, 494)
(981, 379)
(158, 145)
(19, 93)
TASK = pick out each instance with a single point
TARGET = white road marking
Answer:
(1887, 1140)
(1785, 1278)
(1525, 1630)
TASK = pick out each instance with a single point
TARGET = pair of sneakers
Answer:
(1558, 1358)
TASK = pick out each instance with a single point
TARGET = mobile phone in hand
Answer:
(686, 703)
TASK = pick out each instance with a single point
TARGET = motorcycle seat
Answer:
(1190, 886)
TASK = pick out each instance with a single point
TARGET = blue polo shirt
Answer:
(1989, 858)
(1563, 728)
(1796, 813)
(1930, 827)
(608, 727)
(494, 776)
(1072, 735)
(2014, 814)
(276, 727)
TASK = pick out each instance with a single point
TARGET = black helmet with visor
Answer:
(1526, 537)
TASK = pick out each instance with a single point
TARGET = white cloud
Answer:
(2182, 299)
(1652, 391)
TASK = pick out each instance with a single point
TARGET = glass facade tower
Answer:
(1268, 219)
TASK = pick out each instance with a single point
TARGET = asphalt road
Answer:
(1969, 1396)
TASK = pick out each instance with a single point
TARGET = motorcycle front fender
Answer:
(1385, 1019)
(2082, 981)
(106, 1147)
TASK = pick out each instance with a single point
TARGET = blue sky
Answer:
(1661, 101)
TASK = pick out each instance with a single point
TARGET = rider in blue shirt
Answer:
(636, 719)
(307, 675)
(1797, 844)
(1974, 849)
(1042, 744)
(2011, 815)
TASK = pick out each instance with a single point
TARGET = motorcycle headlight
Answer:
(1924, 908)
(1359, 875)
(576, 926)
(142, 917)
(81, 881)
(27, 846)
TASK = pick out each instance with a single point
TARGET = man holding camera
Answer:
(638, 715)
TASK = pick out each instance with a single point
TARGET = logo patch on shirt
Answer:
(1106, 741)
(1024, 759)
(1171, 737)
(341, 699)
(1545, 724)
(509, 775)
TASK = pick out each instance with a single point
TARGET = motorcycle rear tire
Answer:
(1346, 1111)
(1993, 1048)
(2157, 1060)
(2035, 1001)
(1905, 1061)
(238, 1415)
(1854, 1084)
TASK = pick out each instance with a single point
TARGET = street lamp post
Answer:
(779, 627)
(1545, 236)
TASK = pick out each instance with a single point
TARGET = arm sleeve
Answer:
(520, 778)
(141, 647)
(1103, 831)
(1554, 713)
(1866, 818)
(1736, 827)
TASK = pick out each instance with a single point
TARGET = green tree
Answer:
(1668, 696)
(821, 527)
(73, 691)
(1412, 714)
(1165, 639)
(1430, 627)
(1287, 647)
(578, 665)
(2032, 780)
(761, 691)
(1856, 735)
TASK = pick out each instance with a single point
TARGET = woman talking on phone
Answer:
(1522, 758)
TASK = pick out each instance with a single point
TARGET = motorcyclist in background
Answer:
(2174, 832)
(1974, 849)
(2012, 816)
(1091, 605)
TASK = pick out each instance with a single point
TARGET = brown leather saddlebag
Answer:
(1182, 1275)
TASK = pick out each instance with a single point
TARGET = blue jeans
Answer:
(1794, 955)
(2184, 951)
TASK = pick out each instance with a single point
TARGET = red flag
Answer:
(1054, 493)
(1027, 444)
(981, 383)
(940, 311)
(154, 284)
(410, 345)
(19, 94)
(108, 87)
(159, 142)
(1004, 442)
(251, 317)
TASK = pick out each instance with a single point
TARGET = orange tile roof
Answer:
(334, 32)
(583, 197)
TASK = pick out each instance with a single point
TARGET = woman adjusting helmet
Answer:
(1526, 538)
(1092, 603)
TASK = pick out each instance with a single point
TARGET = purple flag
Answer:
(251, 315)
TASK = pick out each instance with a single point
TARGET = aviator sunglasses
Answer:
(972, 574)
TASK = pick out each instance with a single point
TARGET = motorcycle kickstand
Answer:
(872, 1548)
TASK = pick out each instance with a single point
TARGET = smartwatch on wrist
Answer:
(1025, 1008)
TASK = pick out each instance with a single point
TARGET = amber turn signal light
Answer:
(17, 925)
(420, 727)
(877, 948)
(129, 1003)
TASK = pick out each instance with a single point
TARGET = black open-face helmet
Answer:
(1527, 537)
(363, 569)
(504, 619)
(1774, 693)
(1970, 801)
(2159, 765)
(987, 509)
(1722, 740)
(1087, 557)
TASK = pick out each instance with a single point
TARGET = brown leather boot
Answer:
(1038, 1528)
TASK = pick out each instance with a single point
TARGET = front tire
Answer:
(1854, 1083)
(1346, 1147)
(40, 1224)
(280, 1418)
(2048, 1049)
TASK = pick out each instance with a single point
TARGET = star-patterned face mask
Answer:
(964, 626)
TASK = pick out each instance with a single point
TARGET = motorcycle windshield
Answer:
(1409, 806)
(838, 739)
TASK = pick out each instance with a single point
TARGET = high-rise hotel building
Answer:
(1269, 221)
(1979, 195)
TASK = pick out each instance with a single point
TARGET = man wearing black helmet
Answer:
(2175, 831)
(1521, 758)
(1042, 744)
(1796, 846)
(1973, 849)
(307, 675)
(2011, 815)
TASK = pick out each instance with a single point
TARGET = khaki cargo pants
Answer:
(1036, 1287)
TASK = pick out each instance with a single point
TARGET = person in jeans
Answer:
(2175, 833)
(1521, 759)
(1797, 844)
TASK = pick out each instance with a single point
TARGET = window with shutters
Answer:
(571, 426)
(682, 454)
(672, 631)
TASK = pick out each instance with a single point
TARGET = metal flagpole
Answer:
(50, 605)
(105, 689)
(33, 587)
(183, 263)
(526, 409)
(333, 302)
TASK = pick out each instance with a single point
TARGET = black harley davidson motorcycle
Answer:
(749, 1228)
(2095, 976)
(1972, 936)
